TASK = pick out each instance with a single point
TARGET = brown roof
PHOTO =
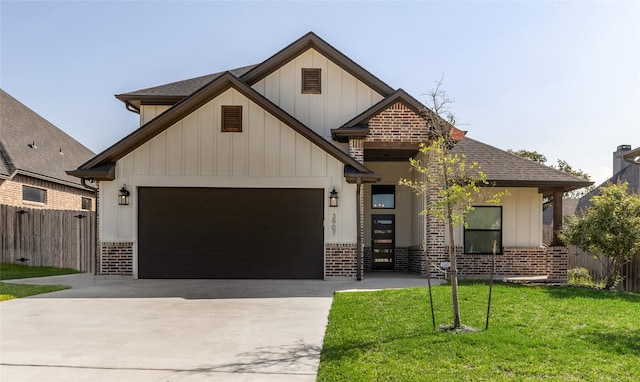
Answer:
(170, 94)
(505, 169)
(31, 145)
(101, 167)
(175, 91)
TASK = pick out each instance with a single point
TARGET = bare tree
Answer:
(455, 183)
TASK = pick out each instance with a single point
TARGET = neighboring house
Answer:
(34, 158)
(289, 169)
(626, 169)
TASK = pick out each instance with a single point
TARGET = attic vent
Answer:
(311, 81)
(231, 118)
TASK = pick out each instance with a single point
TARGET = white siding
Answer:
(343, 96)
(195, 153)
(521, 218)
(149, 112)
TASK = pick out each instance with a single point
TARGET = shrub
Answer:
(579, 276)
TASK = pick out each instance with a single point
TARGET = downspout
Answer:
(359, 237)
(129, 106)
(83, 181)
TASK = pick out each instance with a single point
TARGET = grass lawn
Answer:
(548, 333)
(17, 271)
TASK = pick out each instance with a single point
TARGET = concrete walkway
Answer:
(115, 329)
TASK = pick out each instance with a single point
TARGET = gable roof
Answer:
(504, 169)
(630, 174)
(169, 94)
(356, 127)
(32, 146)
(174, 92)
(308, 41)
(102, 166)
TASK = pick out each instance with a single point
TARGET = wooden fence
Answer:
(599, 268)
(55, 238)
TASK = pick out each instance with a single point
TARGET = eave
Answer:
(102, 166)
(311, 40)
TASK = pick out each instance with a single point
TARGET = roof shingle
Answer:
(32, 145)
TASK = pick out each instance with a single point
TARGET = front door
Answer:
(383, 241)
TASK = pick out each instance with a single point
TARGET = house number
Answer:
(333, 224)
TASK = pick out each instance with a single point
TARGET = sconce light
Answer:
(333, 198)
(123, 196)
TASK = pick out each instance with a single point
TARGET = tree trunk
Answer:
(454, 274)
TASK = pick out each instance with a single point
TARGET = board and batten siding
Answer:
(149, 112)
(343, 96)
(521, 218)
(195, 153)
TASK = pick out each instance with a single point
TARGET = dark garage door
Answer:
(230, 233)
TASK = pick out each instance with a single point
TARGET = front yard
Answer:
(535, 333)
(17, 271)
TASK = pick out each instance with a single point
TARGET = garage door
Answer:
(230, 233)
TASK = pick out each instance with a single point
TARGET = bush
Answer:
(579, 276)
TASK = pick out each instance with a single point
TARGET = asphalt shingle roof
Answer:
(54, 151)
(180, 89)
(504, 168)
(629, 174)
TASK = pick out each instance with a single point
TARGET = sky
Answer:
(561, 78)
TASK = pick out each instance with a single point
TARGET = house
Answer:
(289, 169)
(626, 168)
(34, 158)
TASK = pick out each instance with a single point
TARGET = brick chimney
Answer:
(618, 161)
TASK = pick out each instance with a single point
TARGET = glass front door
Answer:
(383, 241)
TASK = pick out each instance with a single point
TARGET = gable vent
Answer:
(232, 118)
(311, 81)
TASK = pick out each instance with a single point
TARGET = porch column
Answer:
(356, 151)
(557, 216)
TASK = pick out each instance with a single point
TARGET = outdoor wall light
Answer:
(123, 196)
(333, 198)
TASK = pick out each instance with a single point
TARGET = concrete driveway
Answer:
(115, 329)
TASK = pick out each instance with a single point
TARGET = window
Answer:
(311, 81)
(30, 194)
(484, 226)
(383, 196)
(86, 203)
(232, 119)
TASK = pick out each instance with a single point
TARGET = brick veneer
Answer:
(58, 196)
(397, 123)
(116, 258)
(541, 261)
(340, 261)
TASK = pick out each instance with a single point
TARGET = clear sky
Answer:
(561, 78)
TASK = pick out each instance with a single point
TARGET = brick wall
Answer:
(116, 258)
(340, 261)
(540, 261)
(58, 196)
(402, 259)
(397, 123)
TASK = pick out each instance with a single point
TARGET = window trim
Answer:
(393, 186)
(42, 191)
(236, 127)
(311, 85)
(499, 249)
